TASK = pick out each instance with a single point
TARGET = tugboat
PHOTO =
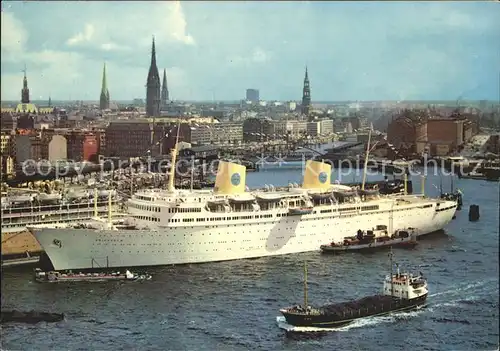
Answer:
(401, 292)
(55, 277)
(369, 241)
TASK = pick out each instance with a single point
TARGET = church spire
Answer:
(25, 92)
(153, 98)
(306, 96)
(104, 98)
(164, 91)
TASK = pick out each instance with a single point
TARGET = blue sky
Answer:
(354, 51)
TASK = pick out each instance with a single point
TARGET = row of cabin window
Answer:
(367, 208)
(147, 208)
(219, 218)
(147, 218)
(444, 209)
(183, 210)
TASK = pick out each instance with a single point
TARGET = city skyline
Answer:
(363, 51)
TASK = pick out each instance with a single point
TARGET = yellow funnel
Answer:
(231, 178)
(317, 175)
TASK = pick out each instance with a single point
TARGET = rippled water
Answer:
(234, 305)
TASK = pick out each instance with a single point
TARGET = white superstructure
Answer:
(176, 226)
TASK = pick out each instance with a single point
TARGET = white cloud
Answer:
(82, 37)
(260, 55)
(113, 47)
(257, 56)
(175, 23)
(13, 38)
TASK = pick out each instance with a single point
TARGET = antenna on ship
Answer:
(390, 259)
(109, 208)
(95, 202)
(305, 285)
(366, 159)
(171, 176)
(192, 172)
(441, 184)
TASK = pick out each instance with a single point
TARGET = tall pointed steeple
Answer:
(153, 98)
(104, 99)
(306, 96)
(164, 91)
(50, 101)
(25, 92)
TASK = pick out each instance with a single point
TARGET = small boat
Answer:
(299, 211)
(56, 277)
(401, 292)
(44, 197)
(31, 317)
(406, 238)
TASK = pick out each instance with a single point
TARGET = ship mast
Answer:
(392, 285)
(171, 176)
(305, 285)
(366, 159)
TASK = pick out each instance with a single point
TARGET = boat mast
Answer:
(305, 284)
(392, 285)
(109, 208)
(192, 172)
(366, 159)
(171, 176)
(95, 202)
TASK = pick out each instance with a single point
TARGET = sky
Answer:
(216, 50)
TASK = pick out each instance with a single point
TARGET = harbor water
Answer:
(234, 305)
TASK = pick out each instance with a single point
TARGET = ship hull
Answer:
(269, 235)
(333, 320)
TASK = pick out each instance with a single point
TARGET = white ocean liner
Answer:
(175, 226)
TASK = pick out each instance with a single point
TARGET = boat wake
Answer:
(430, 307)
(359, 323)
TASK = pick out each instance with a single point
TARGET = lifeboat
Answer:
(49, 197)
(299, 211)
(269, 197)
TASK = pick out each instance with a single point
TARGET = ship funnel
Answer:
(230, 178)
(317, 175)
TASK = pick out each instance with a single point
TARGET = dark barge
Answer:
(401, 292)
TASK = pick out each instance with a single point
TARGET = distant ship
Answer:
(22, 209)
(401, 292)
(231, 222)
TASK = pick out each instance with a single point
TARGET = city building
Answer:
(417, 132)
(57, 149)
(134, 138)
(28, 146)
(326, 126)
(252, 95)
(153, 97)
(313, 128)
(257, 129)
(104, 98)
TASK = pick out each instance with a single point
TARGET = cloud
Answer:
(257, 56)
(354, 51)
(175, 23)
(82, 37)
(13, 37)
